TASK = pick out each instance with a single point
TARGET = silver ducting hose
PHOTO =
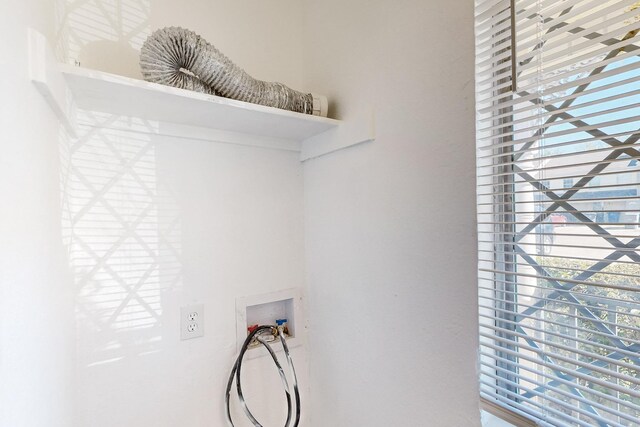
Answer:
(180, 58)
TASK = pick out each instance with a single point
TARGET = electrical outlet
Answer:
(191, 321)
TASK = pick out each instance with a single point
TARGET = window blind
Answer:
(558, 201)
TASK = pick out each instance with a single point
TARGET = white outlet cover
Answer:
(191, 321)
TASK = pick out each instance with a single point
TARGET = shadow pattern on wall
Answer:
(123, 232)
(102, 34)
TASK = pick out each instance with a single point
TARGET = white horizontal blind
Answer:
(558, 172)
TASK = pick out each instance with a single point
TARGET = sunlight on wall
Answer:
(124, 239)
(102, 34)
(121, 230)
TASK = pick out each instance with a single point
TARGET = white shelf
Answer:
(109, 93)
(67, 87)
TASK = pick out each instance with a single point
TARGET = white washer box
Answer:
(264, 309)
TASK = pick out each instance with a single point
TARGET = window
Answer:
(558, 139)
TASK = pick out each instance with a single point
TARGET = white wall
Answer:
(262, 37)
(389, 225)
(154, 222)
(158, 222)
(36, 303)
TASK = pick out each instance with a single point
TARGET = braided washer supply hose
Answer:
(180, 58)
(237, 368)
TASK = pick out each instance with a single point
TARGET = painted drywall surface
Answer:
(389, 225)
(37, 348)
(262, 37)
(160, 222)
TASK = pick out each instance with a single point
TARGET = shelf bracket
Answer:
(49, 81)
(358, 129)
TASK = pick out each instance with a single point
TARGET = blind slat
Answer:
(549, 311)
(548, 408)
(545, 396)
(567, 316)
(575, 329)
(565, 140)
(572, 384)
(566, 370)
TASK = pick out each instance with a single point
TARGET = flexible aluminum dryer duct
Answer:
(178, 57)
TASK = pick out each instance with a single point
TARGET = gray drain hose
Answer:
(257, 334)
(180, 58)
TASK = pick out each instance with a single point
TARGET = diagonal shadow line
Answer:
(576, 30)
(99, 197)
(578, 123)
(585, 275)
(608, 160)
(101, 260)
(591, 317)
(582, 370)
(163, 239)
(102, 263)
(566, 104)
(584, 86)
(596, 268)
(561, 202)
(143, 185)
(107, 186)
(565, 376)
(612, 157)
(130, 168)
(591, 35)
(132, 293)
(114, 25)
(552, 119)
(551, 29)
(102, 325)
(150, 193)
(135, 31)
(555, 368)
(562, 290)
(129, 232)
(596, 133)
(92, 130)
(600, 364)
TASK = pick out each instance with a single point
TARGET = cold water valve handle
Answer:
(283, 328)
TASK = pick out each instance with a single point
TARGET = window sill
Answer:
(496, 416)
(490, 420)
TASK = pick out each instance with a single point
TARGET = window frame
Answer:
(506, 282)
